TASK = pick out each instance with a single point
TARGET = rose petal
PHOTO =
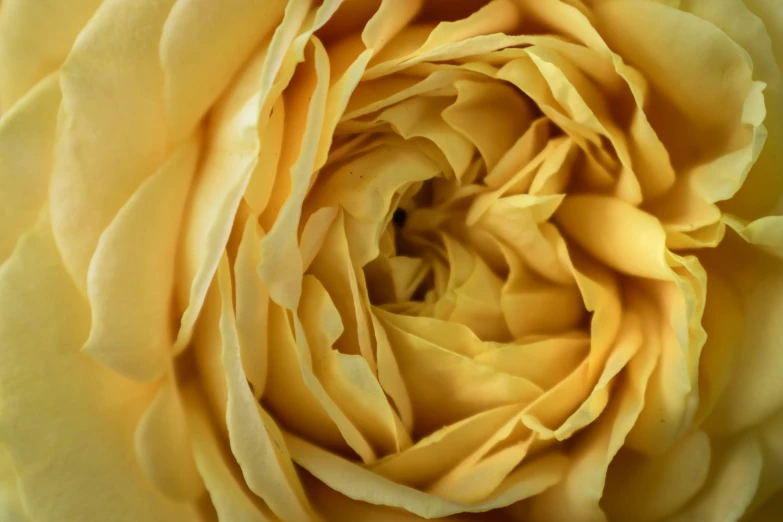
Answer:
(255, 438)
(131, 276)
(361, 484)
(90, 412)
(44, 33)
(27, 134)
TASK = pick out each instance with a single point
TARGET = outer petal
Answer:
(35, 38)
(70, 436)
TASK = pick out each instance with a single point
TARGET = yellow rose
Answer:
(386, 260)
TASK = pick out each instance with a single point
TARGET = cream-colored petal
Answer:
(281, 259)
(252, 307)
(11, 509)
(227, 491)
(230, 159)
(27, 134)
(163, 445)
(223, 36)
(114, 58)
(131, 276)
(77, 461)
(255, 438)
(362, 484)
(35, 38)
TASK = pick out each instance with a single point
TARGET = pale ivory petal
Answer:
(223, 36)
(27, 133)
(256, 441)
(228, 494)
(162, 444)
(347, 378)
(650, 488)
(731, 485)
(361, 484)
(91, 413)
(35, 38)
(230, 158)
(111, 60)
(130, 281)
(11, 509)
(252, 307)
(616, 233)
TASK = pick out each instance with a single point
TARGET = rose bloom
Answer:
(391, 260)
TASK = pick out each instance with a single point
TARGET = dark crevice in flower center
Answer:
(399, 217)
